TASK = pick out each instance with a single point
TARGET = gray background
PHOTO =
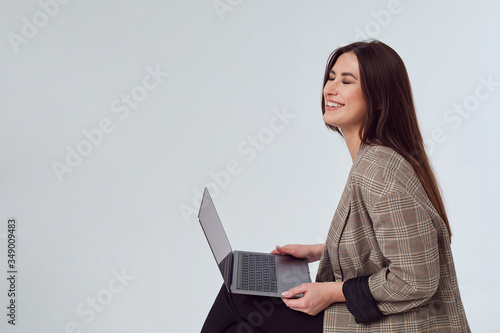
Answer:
(232, 67)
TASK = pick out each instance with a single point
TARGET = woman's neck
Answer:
(353, 143)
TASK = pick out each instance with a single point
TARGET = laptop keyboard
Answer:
(258, 272)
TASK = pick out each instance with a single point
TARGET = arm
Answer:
(408, 240)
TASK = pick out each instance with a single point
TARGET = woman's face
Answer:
(345, 106)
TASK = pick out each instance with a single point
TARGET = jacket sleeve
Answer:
(408, 239)
(359, 300)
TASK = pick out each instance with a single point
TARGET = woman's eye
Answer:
(331, 78)
(345, 82)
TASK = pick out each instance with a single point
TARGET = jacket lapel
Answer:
(341, 216)
(336, 230)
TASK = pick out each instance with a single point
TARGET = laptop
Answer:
(251, 273)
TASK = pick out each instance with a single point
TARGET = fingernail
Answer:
(285, 293)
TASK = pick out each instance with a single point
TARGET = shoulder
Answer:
(382, 170)
(385, 159)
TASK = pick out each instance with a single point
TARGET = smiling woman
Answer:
(386, 265)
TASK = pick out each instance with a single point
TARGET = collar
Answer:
(361, 152)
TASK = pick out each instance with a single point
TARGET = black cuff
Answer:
(359, 300)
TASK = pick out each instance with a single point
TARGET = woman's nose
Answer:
(331, 88)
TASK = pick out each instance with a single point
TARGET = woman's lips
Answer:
(332, 105)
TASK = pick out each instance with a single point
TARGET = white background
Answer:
(230, 71)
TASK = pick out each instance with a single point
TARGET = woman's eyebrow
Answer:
(345, 74)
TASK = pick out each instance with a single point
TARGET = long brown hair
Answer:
(391, 119)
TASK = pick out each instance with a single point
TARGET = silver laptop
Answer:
(251, 273)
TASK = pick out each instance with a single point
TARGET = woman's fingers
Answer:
(300, 251)
(295, 291)
(295, 303)
(317, 297)
(280, 250)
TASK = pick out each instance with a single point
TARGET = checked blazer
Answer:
(385, 227)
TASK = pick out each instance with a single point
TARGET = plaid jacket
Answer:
(385, 227)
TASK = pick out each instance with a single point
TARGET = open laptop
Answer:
(251, 273)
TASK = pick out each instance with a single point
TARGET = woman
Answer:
(387, 264)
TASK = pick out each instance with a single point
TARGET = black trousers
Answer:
(233, 313)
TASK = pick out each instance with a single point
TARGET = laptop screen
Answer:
(216, 236)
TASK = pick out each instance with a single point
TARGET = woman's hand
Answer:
(317, 296)
(310, 252)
